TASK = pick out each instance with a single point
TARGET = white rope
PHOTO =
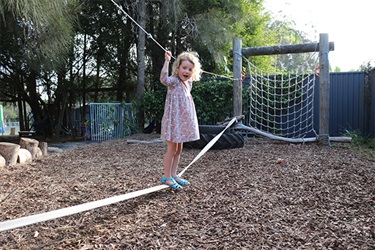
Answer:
(217, 75)
(29, 220)
(148, 34)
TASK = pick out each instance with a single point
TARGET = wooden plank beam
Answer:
(283, 49)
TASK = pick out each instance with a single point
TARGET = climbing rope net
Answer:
(281, 105)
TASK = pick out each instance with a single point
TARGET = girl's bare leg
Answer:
(176, 159)
(169, 159)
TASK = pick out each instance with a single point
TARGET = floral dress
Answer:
(180, 123)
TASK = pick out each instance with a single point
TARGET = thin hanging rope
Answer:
(152, 38)
(148, 34)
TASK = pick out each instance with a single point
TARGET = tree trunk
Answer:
(40, 115)
(97, 76)
(141, 43)
(121, 79)
(20, 112)
(84, 78)
(60, 104)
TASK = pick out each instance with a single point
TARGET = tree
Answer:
(207, 27)
(284, 32)
(106, 57)
(35, 38)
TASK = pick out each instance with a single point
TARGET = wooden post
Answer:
(237, 70)
(324, 86)
(44, 148)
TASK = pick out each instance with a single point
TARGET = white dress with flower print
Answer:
(180, 123)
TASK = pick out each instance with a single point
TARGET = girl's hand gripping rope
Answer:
(168, 56)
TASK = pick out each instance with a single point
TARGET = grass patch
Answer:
(361, 144)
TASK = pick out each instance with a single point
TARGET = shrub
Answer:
(213, 101)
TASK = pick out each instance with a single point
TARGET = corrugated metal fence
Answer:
(352, 103)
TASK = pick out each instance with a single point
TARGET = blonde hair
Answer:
(193, 58)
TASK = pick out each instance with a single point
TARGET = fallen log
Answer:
(129, 141)
(10, 152)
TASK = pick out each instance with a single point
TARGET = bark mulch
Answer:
(320, 197)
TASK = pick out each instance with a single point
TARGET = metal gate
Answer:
(110, 121)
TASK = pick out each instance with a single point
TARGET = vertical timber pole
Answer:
(237, 84)
(324, 89)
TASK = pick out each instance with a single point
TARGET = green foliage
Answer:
(213, 100)
(361, 144)
(337, 69)
(10, 113)
(285, 33)
(130, 124)
(210, 26)
(152, 104)
(367, 67)
(42, 29)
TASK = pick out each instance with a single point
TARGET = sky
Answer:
(350, 24)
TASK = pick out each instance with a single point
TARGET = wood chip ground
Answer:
(320, 197)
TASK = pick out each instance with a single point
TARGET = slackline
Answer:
(32, 219)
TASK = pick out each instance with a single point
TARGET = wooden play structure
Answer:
(323, 47)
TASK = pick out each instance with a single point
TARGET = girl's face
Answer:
(185, 70)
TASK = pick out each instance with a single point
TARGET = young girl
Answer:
(180, 123)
